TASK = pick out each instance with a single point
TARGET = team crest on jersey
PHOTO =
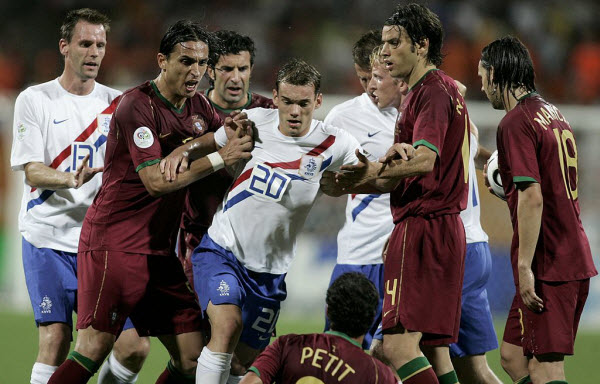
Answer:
(223, 288)
(104, 123)
(143, 138)
(310, 166)
(198, 124)
(46, 305)
(22, 132)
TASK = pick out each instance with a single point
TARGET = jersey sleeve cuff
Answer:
(524, 179)
(255, 370)
(146, 164)
(427, 144)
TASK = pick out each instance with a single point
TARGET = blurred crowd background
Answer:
(563, 37)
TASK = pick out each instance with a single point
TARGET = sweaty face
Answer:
(183, 69)
(232, 80)
(386, 90)
(398, 51)
(364, 75)
(84, 53)
(296, 104)
(492, 93)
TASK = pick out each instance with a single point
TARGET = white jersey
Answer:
(368, 217)
(267, 204)
(58, 129)
(470, 216)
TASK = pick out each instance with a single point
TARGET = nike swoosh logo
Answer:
(372, 134)
(387, 312)
(163, 135)
(59, 121)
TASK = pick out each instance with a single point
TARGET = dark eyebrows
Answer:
(287, 100)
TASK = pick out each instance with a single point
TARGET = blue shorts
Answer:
(373, 272)
(51, 278)
(476, 334)
(220, 278)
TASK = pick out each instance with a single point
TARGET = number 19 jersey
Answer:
(269, 200)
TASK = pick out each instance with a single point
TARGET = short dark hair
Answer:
(89, 15)
(352, 302)
(512, 63)
(233, 43)
(363, 48)
(299, 72)
(421, 23)
(187, 30)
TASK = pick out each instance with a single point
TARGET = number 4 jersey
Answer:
(536, 144)
(271, 195)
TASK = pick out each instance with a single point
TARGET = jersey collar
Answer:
(164, 99)
(344, 336)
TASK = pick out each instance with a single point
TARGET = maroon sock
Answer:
(172, 376)
(424, 377)
(70, 372)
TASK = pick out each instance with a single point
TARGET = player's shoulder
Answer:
(48, 90)
(260, 101)
(107, 92)
(262, 115)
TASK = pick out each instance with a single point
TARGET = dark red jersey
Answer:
(536, 144)
(330, 357)
(145, 128)
(204, 198)
(434, 114)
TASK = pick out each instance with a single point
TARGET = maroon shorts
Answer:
(423, 275)
(152, 290)
(186, 245)
(554, 329)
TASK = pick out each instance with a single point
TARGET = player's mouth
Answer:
(294, 123)
(191, 85)
(388, 64)
(90, 65)
(235, 90)
(373, 97)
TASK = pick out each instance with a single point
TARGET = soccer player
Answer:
(126, 258)
(240, 265)
(423, 270)
(550, 253)
(361, 55)
(60, 131)
(334, 356)
(370, 118)
(230, 78)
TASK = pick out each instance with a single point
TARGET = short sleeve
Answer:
(221, 137)
(520, 143)
(215, 122)
(433, 114)
(344, 152)
(134, 120)
(28, 140)
(268, 363)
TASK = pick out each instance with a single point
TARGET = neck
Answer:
(161, 84)
(512, 98)
(75, 85)
(417, 73)
(216, 99)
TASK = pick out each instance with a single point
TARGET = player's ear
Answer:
(318, 100)
(210, 71)
(275, 98)
(422, 47)
(63, 47)
(162, 61)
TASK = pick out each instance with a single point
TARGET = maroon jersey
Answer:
(144, 128)
(331, 357)
(204, 198)
(434, 115)
(536, 144)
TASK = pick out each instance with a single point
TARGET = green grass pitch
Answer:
(18, 347)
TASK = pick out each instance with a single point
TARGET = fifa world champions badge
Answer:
(310, 166)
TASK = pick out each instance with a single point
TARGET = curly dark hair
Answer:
(512, 64)
(234, 43)
(363, 48)
(421, 23)
(299, 72)
(352, 304)
(187, 30)
(92, 16)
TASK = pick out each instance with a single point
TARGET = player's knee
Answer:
(55, 340)
(229, 328)
(132, 353)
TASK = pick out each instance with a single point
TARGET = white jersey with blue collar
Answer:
(58, 129)
(471, 215)
(368, 216)
(267, 204)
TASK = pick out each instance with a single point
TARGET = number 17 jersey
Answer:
(266, 206)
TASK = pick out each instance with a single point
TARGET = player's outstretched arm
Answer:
(238, 148)
(529, 217)
(38, 175)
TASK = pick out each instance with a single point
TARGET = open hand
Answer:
(84, 173)
(527, 290)
(356, 174)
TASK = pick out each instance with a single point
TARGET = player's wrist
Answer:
(216, 160)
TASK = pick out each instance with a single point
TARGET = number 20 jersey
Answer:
(266, 206)
(536, 144)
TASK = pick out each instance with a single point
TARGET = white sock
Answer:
(234, 379)
(113, 372)
(213, 367)
(40, 374)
